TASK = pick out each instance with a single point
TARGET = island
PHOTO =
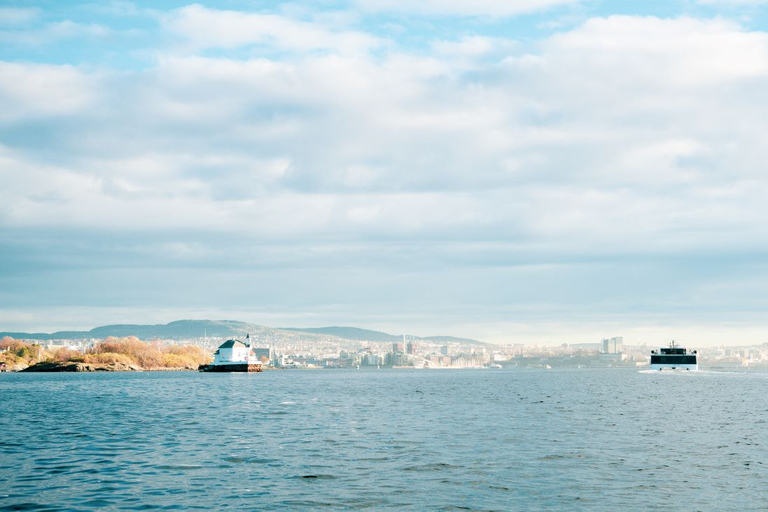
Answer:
(110, 355)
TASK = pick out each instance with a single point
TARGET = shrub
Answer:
(197, 355)
(66, 354)
(149, 355)
(109, 358)
(141, 353)
(178, 361)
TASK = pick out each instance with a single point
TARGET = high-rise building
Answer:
(613, 345)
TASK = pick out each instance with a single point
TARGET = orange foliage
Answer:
(196, 354)
(177, 361)
(109, 358)
(11, 344)
(67, 354)
(130, 350)
(20, 353)
(143, 354)
(150, 355)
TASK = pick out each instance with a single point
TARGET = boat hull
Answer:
(230, 368)
(673, 366)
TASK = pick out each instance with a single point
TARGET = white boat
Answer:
(673, 358)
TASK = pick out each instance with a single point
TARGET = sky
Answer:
(517, 171)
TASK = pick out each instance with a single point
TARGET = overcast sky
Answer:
(512, 170)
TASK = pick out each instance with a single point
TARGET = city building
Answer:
(613, 345)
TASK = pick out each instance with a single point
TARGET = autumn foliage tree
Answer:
(129, 351)
(15, 353)
(147, 355)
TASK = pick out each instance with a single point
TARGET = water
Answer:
(389, 439)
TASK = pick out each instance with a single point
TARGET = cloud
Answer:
(733, 2)
(615, 103)
(629, 49)
(30, 91)
(212, 28)
(574, 176)
(496, 8)
(13, 16)
(474, 46)
(54, 32)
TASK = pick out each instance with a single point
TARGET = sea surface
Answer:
(385, 440)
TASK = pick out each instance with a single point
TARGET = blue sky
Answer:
(531, 171)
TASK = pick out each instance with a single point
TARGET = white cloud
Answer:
(500, 8)
(212, 28)
(618, 102)
(28, 91)
(623, 139)
(474, 46)
(684, 52)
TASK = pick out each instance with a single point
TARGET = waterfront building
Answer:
(234, 356)
(231, 351)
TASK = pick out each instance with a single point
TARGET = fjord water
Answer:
(389, 439)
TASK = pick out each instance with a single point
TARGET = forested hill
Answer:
(181, 329)
(355, 333)
(188, 329)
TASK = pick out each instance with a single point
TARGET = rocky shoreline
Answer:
(69, 366)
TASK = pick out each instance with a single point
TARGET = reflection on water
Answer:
(477, 440)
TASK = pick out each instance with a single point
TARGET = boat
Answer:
(234, 356)
(674, 357)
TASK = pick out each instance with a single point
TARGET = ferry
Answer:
(674, 357)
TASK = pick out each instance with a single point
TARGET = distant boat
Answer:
(674, 357)
(233, 356)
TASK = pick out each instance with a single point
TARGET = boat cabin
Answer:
(674, 357)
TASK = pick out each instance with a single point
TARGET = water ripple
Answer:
(385, 440)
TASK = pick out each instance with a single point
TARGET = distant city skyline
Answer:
(519, 171)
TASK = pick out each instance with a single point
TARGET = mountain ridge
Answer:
(181, 329)
(358, 334)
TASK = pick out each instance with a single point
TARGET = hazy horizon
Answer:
(527, 335)
(528, 171)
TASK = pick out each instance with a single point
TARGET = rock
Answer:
(52, 367)
(70, 366)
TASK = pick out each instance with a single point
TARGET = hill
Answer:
(357, 334)
(181, 329)
(188, 329)
(347, 333)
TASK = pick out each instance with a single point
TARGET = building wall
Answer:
(234, 354)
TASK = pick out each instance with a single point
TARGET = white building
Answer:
(234, 351)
